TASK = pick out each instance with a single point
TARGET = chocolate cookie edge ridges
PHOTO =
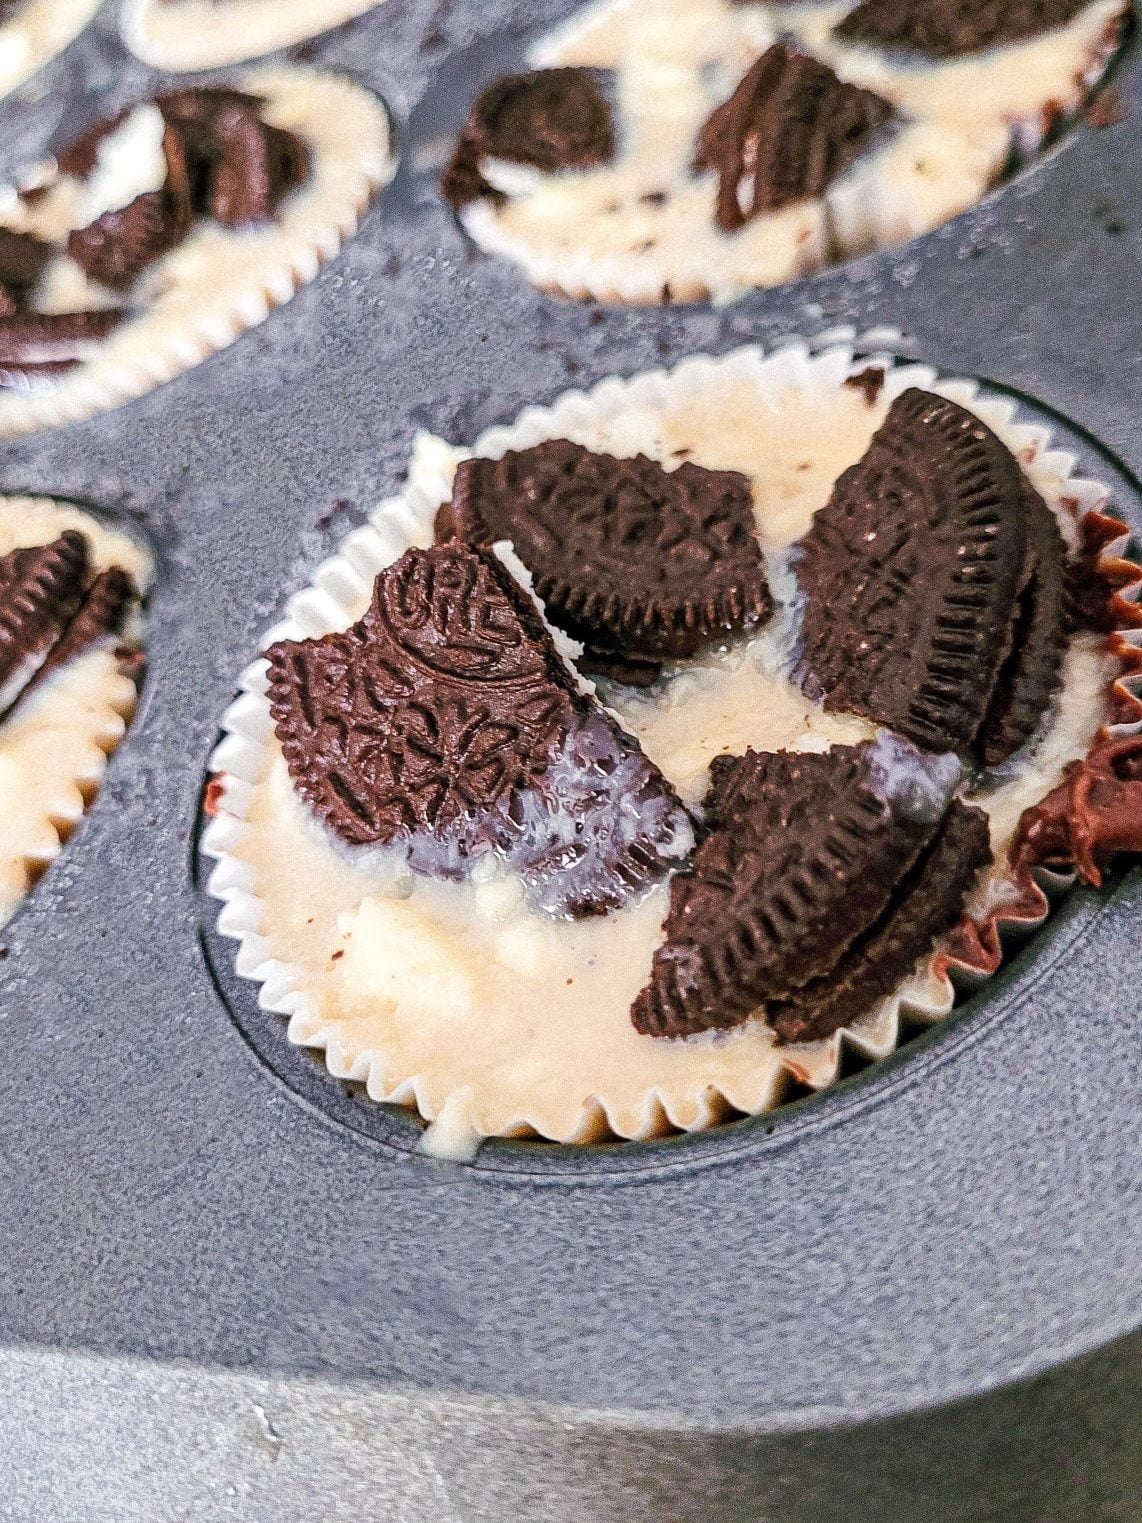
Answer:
(52, 608)
(767, 906)
(936, 684)
(585, 524)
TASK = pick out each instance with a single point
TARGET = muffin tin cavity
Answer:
(708, 412)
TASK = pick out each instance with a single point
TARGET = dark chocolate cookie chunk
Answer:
(41, 589)
(1029, 675)
(22, 261)
(223, 162)
(789, 129)
(101, 613)
(951, 28)
(445, 721)
(914, 573)
(117, 247)
(239, 166)
(925, 905)
(548, 118)
(805, 856)
(640, 563)
(256, 165)
(50, 612)
(37, 346)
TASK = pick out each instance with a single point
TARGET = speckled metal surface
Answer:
(220, 1300)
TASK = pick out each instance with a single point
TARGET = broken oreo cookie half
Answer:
(822, 879)
(548, 119)
(239, 166)
(222, 162)
(640, 564)
(953, 28)
(217, 159)
(445, 723)
(52, 609)
(934, 583)
(789, 129)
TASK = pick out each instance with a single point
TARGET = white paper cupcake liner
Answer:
(599, 234)
(622, 417)
(55, 745)
(206, 292)
(37, 32)
(181, 35)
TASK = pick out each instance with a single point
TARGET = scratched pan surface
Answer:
(232, 1290)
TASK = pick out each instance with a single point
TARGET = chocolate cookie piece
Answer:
(549, 118)
(445, 722)
(22, 261)
(639, 563)
(255, 166)
(223, 162)
(50, 613)
(101, 613)
(1029, 675)
(35, 347)
(119, 245)
(928, 903)
(932, 581)
(239, 166)
(41, 589)
(952, 28)
(789, 129)
(806, 855)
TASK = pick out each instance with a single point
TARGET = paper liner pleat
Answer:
(333, 601)
(319, 219)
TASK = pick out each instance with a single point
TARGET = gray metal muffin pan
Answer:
(231, 1290)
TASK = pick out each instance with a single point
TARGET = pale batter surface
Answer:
(36, 33)
(458, 995)
(206, 34)
(55, 744)
(199, 297)
(642, 228)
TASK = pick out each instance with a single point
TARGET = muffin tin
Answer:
(767, 1320)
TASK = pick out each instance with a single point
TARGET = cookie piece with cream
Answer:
(70, 660)
(165, 229)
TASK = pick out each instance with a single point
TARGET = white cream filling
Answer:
(219, 281)
(54, 745)
(197, 34)
(456, 997)
(595, 232)
(129, 163)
